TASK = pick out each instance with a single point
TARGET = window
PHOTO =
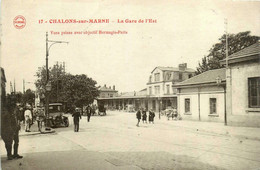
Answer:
(168, 89)
(150, 79)
(254, 92)
(150, 90)
(187, 105)
(168, 76)
(190, 75)
(157, 89)
(213, 105)
(157, 77)
(180, 76)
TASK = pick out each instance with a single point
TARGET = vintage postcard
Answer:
(130, 84)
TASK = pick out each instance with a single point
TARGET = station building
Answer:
(158, 94)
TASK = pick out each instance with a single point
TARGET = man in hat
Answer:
(76, 116)
(28, 118)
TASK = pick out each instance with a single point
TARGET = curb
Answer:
(227, 134)
(36, 133)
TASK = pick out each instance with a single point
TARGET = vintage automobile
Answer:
(101, 110)
(56, 116)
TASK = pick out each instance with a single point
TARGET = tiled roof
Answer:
(173, 69)
(106, 89)
(206, 77)
(248, 51)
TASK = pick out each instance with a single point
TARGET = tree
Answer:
(236, 42)
(28, 97)
(79, 90)
(76, 90)
(56, 77)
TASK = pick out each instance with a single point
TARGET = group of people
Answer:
(141, 114)
(77, 116)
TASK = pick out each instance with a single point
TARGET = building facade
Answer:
(158, 94)
(107, 92)
(243, 87)
(202, 97)
(230, 95)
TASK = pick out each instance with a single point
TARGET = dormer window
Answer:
(157, 77)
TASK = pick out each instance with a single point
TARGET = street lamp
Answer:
(48, 90)
(48, 85)
(219, 83)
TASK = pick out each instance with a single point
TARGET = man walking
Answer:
(138, 116)
(76, 116)
(89, 112)
(28, 118)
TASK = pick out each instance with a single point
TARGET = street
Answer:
(115, 142)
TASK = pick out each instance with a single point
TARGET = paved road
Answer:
(114, 142)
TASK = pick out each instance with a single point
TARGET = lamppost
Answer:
(48, 85)
(48, 90)
(219, 83)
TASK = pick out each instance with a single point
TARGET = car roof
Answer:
(55, 104)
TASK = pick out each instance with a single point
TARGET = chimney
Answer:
(105, 85)
(182, 67)
(114, 87)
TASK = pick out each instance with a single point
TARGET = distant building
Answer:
(107, 92)
(159, 86)
(158, 93)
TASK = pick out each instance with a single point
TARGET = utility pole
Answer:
(226, 31)
(11, 87)
(48, 85)
(227, 75)
(23, 86)
(14, 87)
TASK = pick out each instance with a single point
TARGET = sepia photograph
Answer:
(130, 85)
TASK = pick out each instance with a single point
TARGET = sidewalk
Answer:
(215, 128)
(34, 130)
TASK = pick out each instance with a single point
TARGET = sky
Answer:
(183, 33)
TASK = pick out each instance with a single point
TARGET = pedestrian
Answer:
(7, 131)
(151, 116)
(89, 112)
(40, 118)
(144, 116)
(174, 114)
(93, 110)
(16, 125)
(28, 118)
(10, 126)
(138, 116)
(76, 116)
